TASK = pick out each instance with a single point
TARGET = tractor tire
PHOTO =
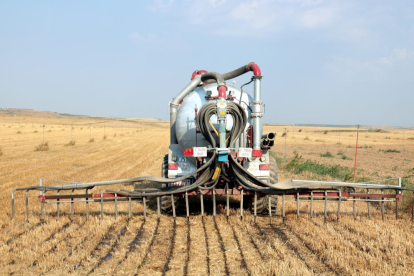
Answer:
(262, 206)
(166, 201)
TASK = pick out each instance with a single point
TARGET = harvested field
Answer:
(201, 245)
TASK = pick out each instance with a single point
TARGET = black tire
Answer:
(166, 201)
(263, 201)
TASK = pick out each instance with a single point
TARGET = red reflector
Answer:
(188, 152)
(256, 153)
(173, 166)
(264, 167)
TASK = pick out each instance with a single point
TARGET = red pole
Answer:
(356, 153)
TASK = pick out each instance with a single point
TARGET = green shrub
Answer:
(326, 154)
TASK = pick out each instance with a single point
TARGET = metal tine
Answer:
(354, 207)
(227, 200)
(326, 205)
(57, 205)
(87, 204)
(186, 206)
(283, 207)
(339, 206)
(270, 208)
(102, 211)
(173, 206)
(158, 207)
(201, 203)
(241, 204)
(43, 207)
(12, 204)
(311, 206)
(116, 206)
(412, 216)
(72, 206)
(255, 206)
(129, 207)
(214, 202)
(369, 206)
(144, 199)
(27, 205)
(396, 204)
(297, 205)
(383, 206)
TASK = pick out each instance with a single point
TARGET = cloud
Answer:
(320, 17)
(160, 5)
(137, 38)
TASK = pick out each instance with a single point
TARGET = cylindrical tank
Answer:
(185, 125)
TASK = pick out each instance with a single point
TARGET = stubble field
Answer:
(200, 246)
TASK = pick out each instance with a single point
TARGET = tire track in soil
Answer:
(243, 260)
(145, 258)
(207, 245)
(322, 266)
(170, 254)
(111, 250)
(222, 247)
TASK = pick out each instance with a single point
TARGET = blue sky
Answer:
(323, 62)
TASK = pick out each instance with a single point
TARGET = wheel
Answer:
(262, 206)
(166, 201)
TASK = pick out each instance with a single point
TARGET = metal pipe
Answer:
(116, 206)
(129, 207)
(144, 199)
(57, 205)
(201, 203)
(241, 204)
(173, 206)
(311, 206)
(158, 207)
(257, 113)
(87, 205)
(72, 207)
(12, 203)
(339, 206)
(369, 206)
(227, 201)
(326, 206)
(186, 205)
(102, 211)
(43, 207)
(214, 202)
(297, 205)
(283, 206)
(382, 206)
(255, 206)
(176, 103)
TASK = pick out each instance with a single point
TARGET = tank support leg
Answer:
(354, 207)
(102, 211)
(396, 204)
(43, 207)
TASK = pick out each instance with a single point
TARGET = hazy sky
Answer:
(327, 62)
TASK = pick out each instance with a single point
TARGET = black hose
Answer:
(230, 75)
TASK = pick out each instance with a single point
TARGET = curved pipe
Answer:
(213, 76)
(255, 68)
(238, 72)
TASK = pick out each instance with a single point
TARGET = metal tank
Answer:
(185, 125)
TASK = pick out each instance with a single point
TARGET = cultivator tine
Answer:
(339, 206)
(173, 206)
(270, 209)
(227, 201)
(187, 208)
(57, 205)
(283, 207)
(297, 205)
(326, 205)
(129, 207)
(144, 200)
(72, 206)
(412, 215)
(201, 203)
(12, 204)
(102, 211)
(382, 206)
(27, 205)
(116, 206)
(369, 206)
(396, 205)
(255, 206)
(354, 207)
(311, 206)
(158, 207)
(87, 204)
(42, 211)
(241, 205)
(214, 202)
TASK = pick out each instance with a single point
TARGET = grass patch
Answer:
(326, 154)
(19, 132)
(35, 131)
(1, 152)
(284, 134)
(42, 147)
(104, 137)
(298, 165)
(71, 143)
(91, 140)
(390, 151)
